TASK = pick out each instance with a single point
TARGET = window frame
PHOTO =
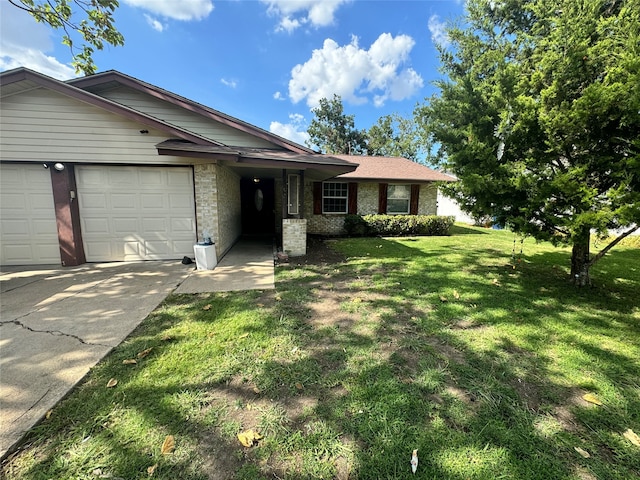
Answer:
(345, 198)
(293, 208)
(407, 199)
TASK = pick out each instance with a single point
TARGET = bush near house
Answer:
(397, 225)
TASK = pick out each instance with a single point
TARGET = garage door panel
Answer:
(94, 226)
(150, 201)
(182, 225)
(153, 178)
(124, 226)
(123, 201)
(150, 216)
(179, 200)
(89, 200)
(152, 225)
(122, 176)
(183, 179)
(29, 234)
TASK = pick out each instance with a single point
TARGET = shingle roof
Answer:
(391, 168)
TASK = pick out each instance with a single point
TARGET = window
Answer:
(294, 195)
(335, 197)
(398, 198)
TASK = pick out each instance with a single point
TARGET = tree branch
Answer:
(611, 245)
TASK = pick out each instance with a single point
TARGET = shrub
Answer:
(355, 226)
(398, 225)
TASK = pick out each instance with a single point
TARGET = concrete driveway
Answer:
(57, 323)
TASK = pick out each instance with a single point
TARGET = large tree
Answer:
(91, 20)
(394, 136)
(334, 132)
(539, 117)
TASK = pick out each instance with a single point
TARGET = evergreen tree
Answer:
(539, 118)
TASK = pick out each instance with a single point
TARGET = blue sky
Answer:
(266, 62)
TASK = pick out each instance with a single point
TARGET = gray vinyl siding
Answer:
(185, 119)
(42, 125)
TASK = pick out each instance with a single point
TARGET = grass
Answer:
(461, 347)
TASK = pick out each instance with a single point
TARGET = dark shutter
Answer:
(382, 198)
(415, 196)
(353, 198)
(317, 198)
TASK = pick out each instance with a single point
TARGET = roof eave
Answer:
(187, 104)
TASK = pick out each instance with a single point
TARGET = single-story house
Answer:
(111, 168)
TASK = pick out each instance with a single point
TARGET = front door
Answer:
(258, 206)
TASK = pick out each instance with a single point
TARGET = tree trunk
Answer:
(580, 259)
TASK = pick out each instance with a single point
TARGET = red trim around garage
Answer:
(67, 216)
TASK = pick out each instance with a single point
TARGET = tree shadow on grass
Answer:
(379, 355)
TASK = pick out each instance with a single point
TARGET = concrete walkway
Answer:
(247, 266)
(56, 323)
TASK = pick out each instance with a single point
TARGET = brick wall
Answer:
(215, 187)
(333, 224)
(294, 236)
(230, 211)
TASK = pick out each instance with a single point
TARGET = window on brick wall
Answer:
(293, 195)
(398, 198)
(335, 197)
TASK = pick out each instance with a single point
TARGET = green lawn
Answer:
(463, 347)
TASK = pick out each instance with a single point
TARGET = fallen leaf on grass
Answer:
(48, 414)
(249, 437)
(632, 437)
(582, 452)
(443, 299)
(244, 335)
(495, 282)
(299, 386)
(168, 446)
(207, 307)
(456, 295)
(129, 361)
(112, 383)
(591, 398)
(256, 390)
(145, 352)
(151, 470)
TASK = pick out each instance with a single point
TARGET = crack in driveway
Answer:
(56, 333)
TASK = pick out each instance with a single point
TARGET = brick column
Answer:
(294, 236)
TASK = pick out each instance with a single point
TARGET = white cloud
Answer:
(155, 24)
(438, 31)
(185, 10)
(23, 43)
(278, 96)
(295, 130)
(355, 73)
(295, 13)
(229, 83)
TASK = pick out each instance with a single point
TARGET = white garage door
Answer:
(28, 233)
(136, 213)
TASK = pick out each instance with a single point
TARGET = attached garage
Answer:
(130, 213)
(28, 233)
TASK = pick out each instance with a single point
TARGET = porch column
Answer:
(294, 236)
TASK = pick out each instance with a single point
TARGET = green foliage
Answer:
(397, 225)
(394, 136)
(97, 28)
(333, 132)
(538, 117)
(356, 226)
